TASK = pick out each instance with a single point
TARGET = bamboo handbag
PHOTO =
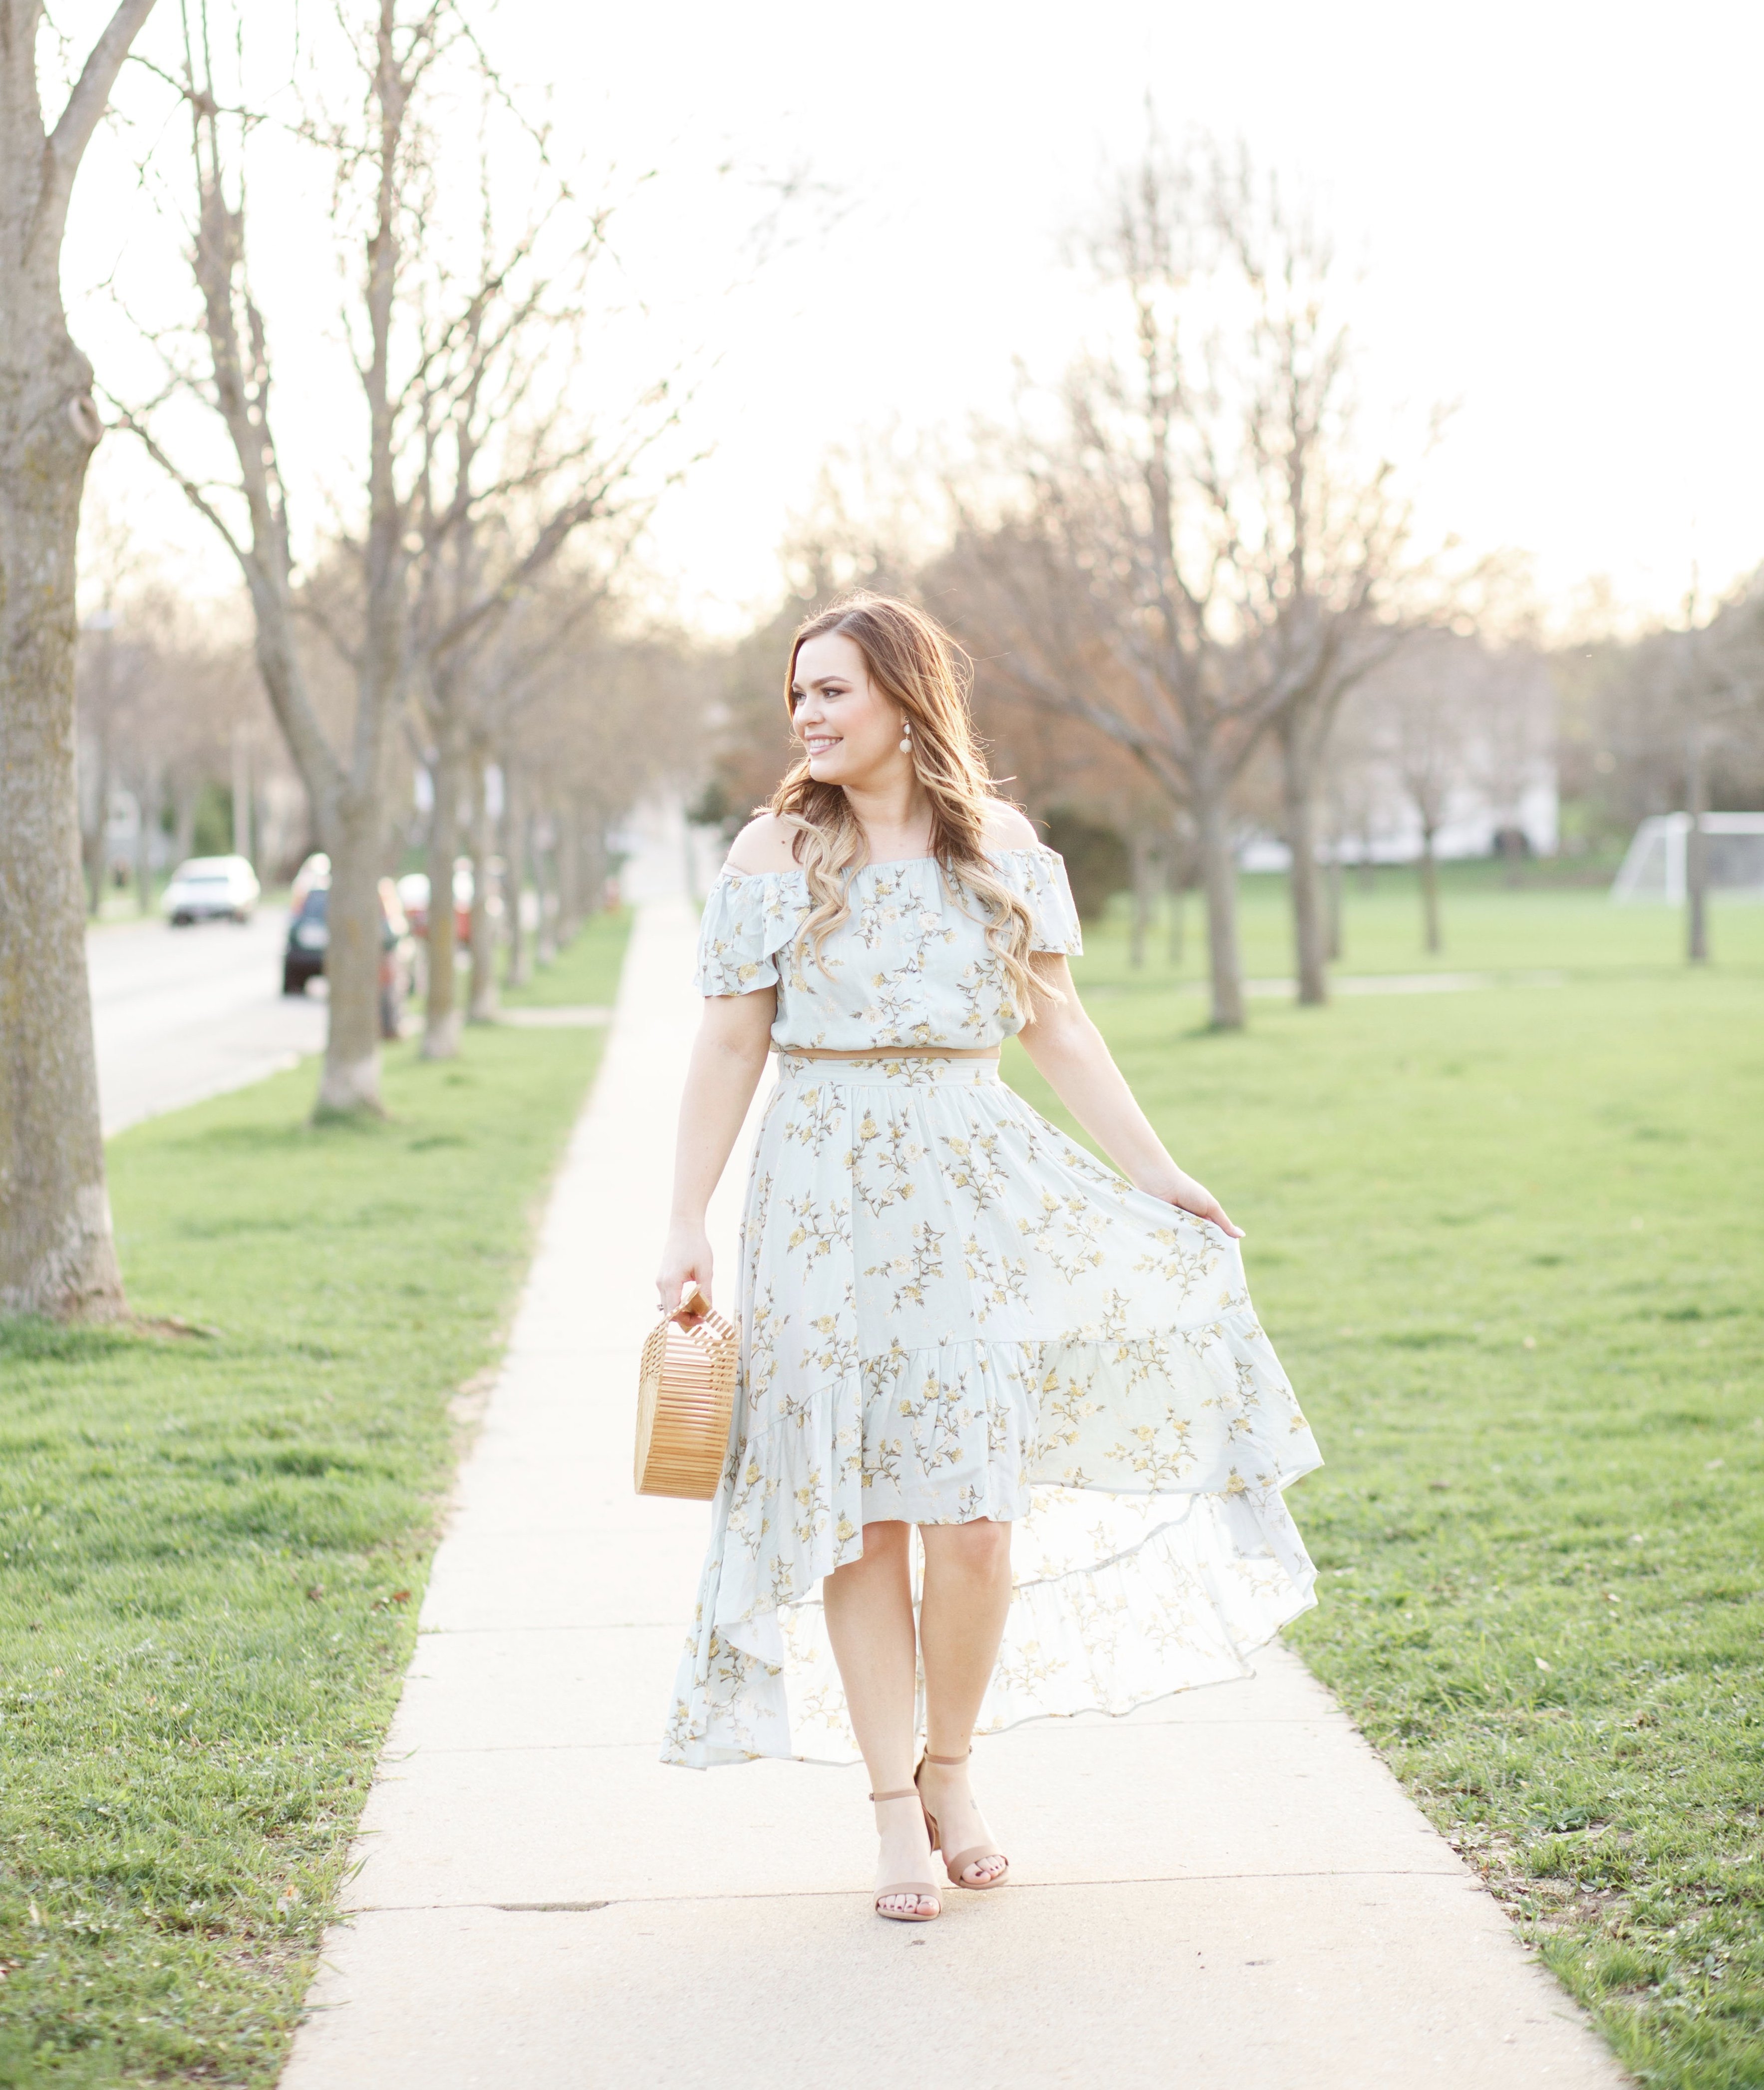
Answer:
(686, 1395)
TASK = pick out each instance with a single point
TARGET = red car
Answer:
(414, 892)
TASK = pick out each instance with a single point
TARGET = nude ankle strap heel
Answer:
(955, 1866)
(920, 1889)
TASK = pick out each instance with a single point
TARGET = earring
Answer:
(907, 736)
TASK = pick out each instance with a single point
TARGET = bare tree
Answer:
(167, 691)
(57, 1253)
(1196, 557)
(477, 472)
(376, 173)
(1670, 720)
(1718, 698)
(1354, 794)
(1513, 751)
(1330, 528)
(518, 859)
(1421, 710)
(491, 526)
(584, 742)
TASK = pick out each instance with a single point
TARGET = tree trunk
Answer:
(242, 833)
(1696, 851)
(483, 1005)
(347, 795)
(1428, 868)
(350, 1080)
(57, 1253)
(1219, 875)
(1299, 804)
(545, 878)
(1332, 923)
(183, 820)
(441, 1013)
(92, 839)
(146, 827)
(594, 872)
(1145, 870)
(95, 833)
(1175, 881)
(516, 850)
(569, 863)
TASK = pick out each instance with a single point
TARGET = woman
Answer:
(951, 1315)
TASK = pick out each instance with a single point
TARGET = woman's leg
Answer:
(961, 1615)
(869, 1611)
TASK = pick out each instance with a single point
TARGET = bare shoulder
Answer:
(1006, 828)
(763, 845)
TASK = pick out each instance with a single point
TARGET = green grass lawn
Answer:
(583, 975)
(1509, 1243)
(215, 1542)
(1487, 926)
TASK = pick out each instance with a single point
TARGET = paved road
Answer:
(180, 1014)
(1227, 1888)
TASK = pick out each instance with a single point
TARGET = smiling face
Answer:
(849, 730)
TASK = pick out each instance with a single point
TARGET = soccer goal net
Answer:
(1654, 868)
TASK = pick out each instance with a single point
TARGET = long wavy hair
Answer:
(919, 666)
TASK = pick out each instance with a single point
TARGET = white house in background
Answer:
(1654, 867)
(1466, 729)
(1392, 833)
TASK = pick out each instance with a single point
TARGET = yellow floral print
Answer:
(909, 965)
(949, 1311)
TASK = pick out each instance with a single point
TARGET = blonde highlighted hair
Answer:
(917, 666)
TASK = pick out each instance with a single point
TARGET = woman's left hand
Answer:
(1181, 1189)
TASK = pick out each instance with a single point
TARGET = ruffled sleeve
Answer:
(746, 919)
(1038, 876)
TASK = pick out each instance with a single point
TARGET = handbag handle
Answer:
(694, 1304)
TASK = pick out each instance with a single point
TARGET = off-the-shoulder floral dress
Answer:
(949, 1310)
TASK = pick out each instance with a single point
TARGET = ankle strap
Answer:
(961, 1759)
(908, 1792)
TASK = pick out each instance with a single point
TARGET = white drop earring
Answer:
(907, 736)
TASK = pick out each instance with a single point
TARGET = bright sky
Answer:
(1555, 205)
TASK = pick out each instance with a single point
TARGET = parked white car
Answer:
(210, 888)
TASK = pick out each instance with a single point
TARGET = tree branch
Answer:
(67, 142)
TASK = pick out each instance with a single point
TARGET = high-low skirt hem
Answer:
(950, 1311)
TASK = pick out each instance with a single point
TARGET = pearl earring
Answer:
(907, 736)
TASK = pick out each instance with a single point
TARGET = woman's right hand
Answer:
(685, 1259)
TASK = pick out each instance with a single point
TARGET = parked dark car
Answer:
(309, 938)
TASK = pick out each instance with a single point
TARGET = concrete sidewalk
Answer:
(1227, 1887)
